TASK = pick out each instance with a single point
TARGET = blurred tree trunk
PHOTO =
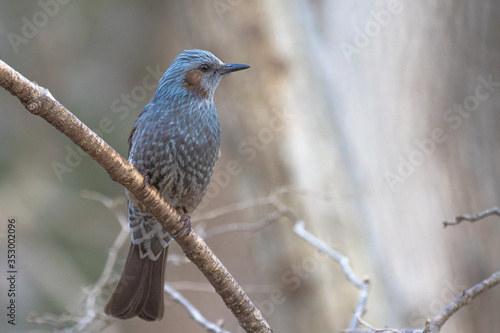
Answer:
(377, 90)
(367, 88)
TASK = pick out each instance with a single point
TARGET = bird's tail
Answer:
(140, 290)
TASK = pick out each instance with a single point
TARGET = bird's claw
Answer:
(186, 220)
(147, 179)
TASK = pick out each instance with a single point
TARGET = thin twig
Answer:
(435, 325)
(207, 288)
(377, 330)
(243, 226)
(343, 261)
(362, 285)
(283, 210)
(472, 218)
(97, 289)
(262, 201)
(232, 208)
(86, 315)
(462, 300)
(193, 312)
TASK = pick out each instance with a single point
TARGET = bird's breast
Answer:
(178, 150)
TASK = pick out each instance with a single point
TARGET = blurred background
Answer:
(389, 107)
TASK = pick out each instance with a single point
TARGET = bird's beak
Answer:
(228, 68)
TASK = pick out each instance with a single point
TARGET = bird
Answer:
(174, 143)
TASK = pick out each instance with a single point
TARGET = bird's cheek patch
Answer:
(192, 81)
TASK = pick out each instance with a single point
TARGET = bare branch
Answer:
(86, 315)
(236, 207)
(40, 102)
(437, 323)
(462, 300)
(262, 201)
(377, 330)
(433, 326)
(96, 290)
(285, 211)
(193, 312)
(207, 288)
(112, 204)
(384, 330)
(240, 226)
(472, 218)
(362, 285)
(281, 210)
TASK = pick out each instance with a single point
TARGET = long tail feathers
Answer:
(140, 289)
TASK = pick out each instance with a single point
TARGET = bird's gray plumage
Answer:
(175, 141)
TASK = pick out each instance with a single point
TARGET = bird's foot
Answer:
(186, 220)
(147, 178)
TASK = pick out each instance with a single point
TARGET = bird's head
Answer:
(196, 73)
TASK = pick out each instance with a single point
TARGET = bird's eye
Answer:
(204, 68)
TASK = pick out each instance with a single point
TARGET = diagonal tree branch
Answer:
(435, 325)
(363, 285)
(467, 296)
(462, 300)
(40, 102)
